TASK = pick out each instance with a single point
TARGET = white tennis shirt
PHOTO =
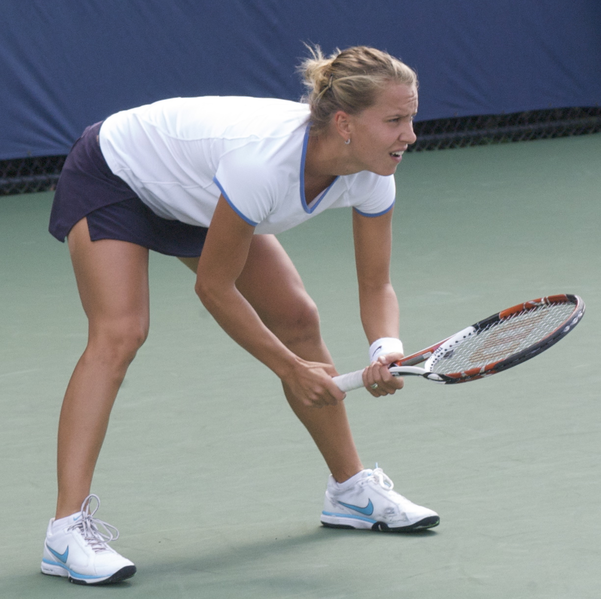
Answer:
(180, 154)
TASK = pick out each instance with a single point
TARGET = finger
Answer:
(391, 384)
(373, 389)
(368, 380)
(327, 393)
(388, 359)
(334, 395)
(379, 381)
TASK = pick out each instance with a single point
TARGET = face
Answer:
(381, 133)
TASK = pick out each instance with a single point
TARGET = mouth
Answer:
(398, 155)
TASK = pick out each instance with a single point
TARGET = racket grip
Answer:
(349, 381)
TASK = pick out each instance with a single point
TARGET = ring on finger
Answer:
(374, 386)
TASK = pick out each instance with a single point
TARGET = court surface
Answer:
(215, 487)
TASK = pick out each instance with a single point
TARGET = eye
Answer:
(398, 119)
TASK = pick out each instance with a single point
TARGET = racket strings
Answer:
(504, 338)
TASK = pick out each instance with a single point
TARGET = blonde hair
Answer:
(348, 80)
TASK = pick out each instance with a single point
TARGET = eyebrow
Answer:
(401, 115)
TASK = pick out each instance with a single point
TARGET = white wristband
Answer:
(385, 345)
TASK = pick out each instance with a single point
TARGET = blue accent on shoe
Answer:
(368, 510)
(78, 576)
(348, 516)
(72, 573)
(59, 556)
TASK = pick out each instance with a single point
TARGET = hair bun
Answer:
(348, 80)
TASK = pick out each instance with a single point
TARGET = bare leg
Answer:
(112, 278)
(272, 285)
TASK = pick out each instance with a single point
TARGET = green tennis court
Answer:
(215, 487)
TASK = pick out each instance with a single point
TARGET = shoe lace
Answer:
(96, 533)
(381, 478)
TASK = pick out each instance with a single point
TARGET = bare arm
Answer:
(377, 298)
(378, 301)
(222, 261)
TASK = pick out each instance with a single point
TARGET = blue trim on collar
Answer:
(317, 201)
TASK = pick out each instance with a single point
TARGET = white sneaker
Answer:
(79, 551)
(367, 501)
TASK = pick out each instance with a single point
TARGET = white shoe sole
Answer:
(333, 520)
(54, 569)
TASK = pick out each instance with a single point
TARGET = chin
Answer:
(383, 171)
(387, 172)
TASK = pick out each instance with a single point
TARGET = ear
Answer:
(342, 123)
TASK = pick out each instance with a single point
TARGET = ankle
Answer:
(69, 507)
(343, 478)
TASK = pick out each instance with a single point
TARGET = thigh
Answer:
(269, 281)
(112, 279)
(273, 286)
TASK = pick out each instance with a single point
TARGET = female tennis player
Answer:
(211, 180)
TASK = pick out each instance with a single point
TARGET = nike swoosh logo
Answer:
(368, 510)
(59, 556)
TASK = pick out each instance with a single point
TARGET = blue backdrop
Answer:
(65, 64)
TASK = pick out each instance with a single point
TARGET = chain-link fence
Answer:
(27, 175)
(500, 128)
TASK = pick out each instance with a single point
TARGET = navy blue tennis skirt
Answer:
(88, 188)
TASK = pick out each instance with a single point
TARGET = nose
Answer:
(408, 134)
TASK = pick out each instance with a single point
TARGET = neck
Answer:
(327, 156)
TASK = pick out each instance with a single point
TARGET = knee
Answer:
(118, 343)
(300, 324)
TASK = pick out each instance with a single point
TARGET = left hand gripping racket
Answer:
(490, 346)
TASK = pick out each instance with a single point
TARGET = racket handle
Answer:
(354, 380)
(349, 381)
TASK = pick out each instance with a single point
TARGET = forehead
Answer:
(396, 98)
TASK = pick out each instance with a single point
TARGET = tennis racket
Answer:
(490, 346)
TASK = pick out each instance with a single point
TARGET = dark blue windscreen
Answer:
(65, 64)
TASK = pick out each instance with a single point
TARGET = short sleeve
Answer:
(375, 195)
(246, 184)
